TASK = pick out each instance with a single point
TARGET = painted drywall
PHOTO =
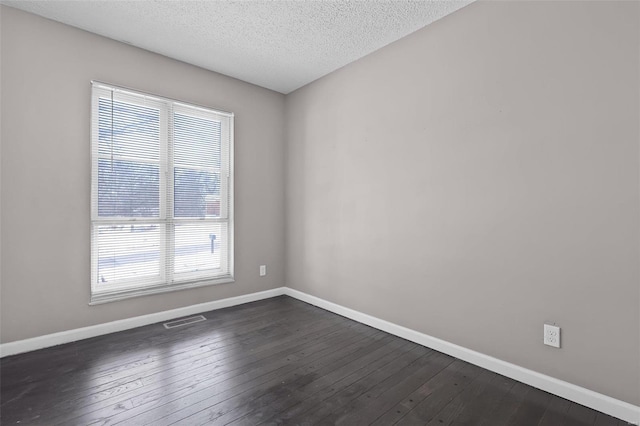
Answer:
(45, 81)
(479, 178)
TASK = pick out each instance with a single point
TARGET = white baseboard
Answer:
(586, 397)
(580, 395)
(48, 340)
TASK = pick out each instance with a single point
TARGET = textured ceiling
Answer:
(280, 45)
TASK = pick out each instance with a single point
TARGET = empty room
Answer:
(271, 212)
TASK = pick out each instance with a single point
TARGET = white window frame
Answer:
(163, 283)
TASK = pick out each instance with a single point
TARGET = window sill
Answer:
(114, 296)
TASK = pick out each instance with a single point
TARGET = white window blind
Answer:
(161, 194)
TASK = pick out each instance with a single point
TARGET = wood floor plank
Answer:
(312, 355)
(296, 404)
(282, 396)
(578, 415)
(368, 407)
(479, 410)
(532, 408)
(118, 344)
(179, 366)
(325, 389)
(70, 378)
(236, 407)
(434, 395)
(473, 390)
(250, 367)
(507, 407)
(555, 414)
(361, 386)
(605, 420)
(278, 361)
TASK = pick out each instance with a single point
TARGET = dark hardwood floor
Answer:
(277, 361)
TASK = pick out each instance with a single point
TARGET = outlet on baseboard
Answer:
(263, 270)
(552, 335)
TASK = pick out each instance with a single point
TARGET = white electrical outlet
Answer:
(552, 335)
(263, 270)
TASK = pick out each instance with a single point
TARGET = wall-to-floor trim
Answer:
(48, 340)
(586, 397)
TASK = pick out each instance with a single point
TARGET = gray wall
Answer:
(46, 72)
(478, 178)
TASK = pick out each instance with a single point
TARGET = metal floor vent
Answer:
(184, 321)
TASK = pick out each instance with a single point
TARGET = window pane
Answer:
(196, 141)
(128, 130)
(198, 246)
(128, 189)
(127, 252)
(196, 193)
(149, 154)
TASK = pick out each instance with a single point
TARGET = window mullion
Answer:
(224, 172)
(169, 197)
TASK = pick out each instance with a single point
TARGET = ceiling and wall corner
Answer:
(279, 45)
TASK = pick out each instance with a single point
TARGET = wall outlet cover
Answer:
(552, 335)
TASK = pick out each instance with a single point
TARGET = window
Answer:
(161, 194)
